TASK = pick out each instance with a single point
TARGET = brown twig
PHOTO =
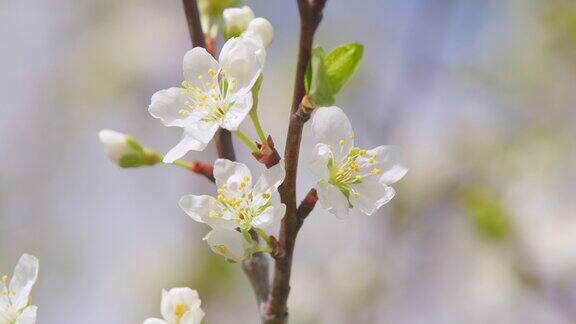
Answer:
(204, 169)
(194, 25)
(256, 268)
(276, 311)
(307, 205)
(268, 154)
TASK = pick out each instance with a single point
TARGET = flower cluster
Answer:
(15, 305)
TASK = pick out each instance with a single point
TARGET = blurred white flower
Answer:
(15, 307)
(214, 94)
(350, 177)
(241, 22)
(261, 29)
(236, 20)
(179, 306)
(238, 205)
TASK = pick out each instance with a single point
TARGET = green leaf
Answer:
(320, 89)
(327, 73)
(131, 161)
(341, 63)
(487, 213)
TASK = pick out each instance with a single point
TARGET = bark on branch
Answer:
(276, 311)
(204, 169)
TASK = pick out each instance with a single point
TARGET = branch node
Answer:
(267, 154)
(307, 205)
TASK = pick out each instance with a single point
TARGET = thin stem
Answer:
(263, 235)
(256, 123)
(247, 141)
(183, 164)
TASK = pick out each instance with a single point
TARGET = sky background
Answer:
(478, 94)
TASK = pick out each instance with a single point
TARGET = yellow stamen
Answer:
(376, 171)
(222, 249)
(180, 309)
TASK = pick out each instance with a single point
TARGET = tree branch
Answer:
(204, 169)
(307, 205)
(276, 311)
(194, 24)
(256, 267)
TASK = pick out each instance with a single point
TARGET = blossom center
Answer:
(180, 309)
(351, 170)
(210, 97)
(241, 203)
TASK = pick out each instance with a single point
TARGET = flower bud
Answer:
(236, 21)
(261, 29)
(125, 150)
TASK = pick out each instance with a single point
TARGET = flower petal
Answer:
(115, 144)
(332, 199)
(231, 173)
(242, 59)
(386, 158)
(202, 131)
(196, 63)
(154, 321)
(25, 275)
(238, 17)
(237, 113)
(186, 144)
(270, 217)
(193, 316)
(270, 179)
(371, 196)
(331, 126)
(319, 160)
(28, 315)
(178, 296)
(166, 105)
(200, 209)
(261, 29)
(229, 244)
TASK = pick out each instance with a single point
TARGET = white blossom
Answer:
(236, 20)
(350, 177)
(213, 94)
(261, 29)
(239, 204)
(15, 305)
(179, 306)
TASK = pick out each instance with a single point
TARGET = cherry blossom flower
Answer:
(238, 207)
(179, 306)
(213, 94)
(15, 305)
(350, 177)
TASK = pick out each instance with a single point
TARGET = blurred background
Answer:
(478, 94)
